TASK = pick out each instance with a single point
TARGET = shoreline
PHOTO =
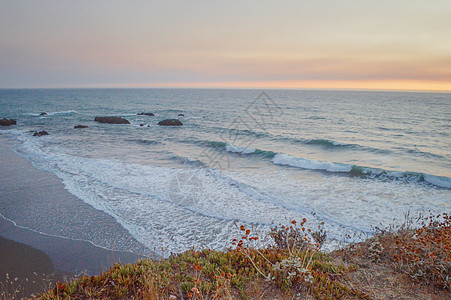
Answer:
(33, 201)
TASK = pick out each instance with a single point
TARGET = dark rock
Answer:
(141, 125)
(111, 120)
(40, 133)
(170, 122)
(146, 114)
(43, 113)
(80, 126)
(6, 122)
(181, 115)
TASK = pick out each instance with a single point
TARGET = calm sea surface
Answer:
(350, 159)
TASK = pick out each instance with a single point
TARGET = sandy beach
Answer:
(25, 270)
(25, 248)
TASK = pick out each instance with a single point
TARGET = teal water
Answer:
(350, 159)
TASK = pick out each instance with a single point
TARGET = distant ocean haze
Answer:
(350, 159)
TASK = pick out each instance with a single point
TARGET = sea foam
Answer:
(304, 163)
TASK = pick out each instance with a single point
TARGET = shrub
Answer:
(425, 253)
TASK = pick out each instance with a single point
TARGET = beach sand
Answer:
(27, 245)
(25, 270)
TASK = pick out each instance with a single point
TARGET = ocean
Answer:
(349, 161)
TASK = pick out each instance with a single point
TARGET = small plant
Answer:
(375, 250)
(294, 262)
(301, 248)
(11, 288)
(425, 253)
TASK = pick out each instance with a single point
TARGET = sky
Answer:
(345, 44)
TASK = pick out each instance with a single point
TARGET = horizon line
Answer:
(224, 88)
(383, 85)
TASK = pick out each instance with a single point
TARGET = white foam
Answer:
(347, 205)
(311, 164)
(173, 209)
(64, 112)
(176, 209)
(238, 149)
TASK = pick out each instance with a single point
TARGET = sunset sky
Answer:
(265, 44)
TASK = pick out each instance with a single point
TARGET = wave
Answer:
(144, 141)
(319, 142)
(334, 167)
(424, 153)
(228, 147)
(324, 143)
(441, 181)
(238, 149)
(188, 160)
(331, 144)
(304, 163)
(64, 112)
(232, 130)
(360, 171)
(328, 143)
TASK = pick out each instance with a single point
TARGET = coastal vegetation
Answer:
(411, 261)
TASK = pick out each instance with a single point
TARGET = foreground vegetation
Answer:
(403, 263)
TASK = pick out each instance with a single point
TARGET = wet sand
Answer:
(54, 241)
(24, 270)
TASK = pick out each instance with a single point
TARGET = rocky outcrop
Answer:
(146, 114)
(43, 113)
(170, 122)
(80, 126)
(181, 115)
(111, 120)
(7, 122)
(40, 133)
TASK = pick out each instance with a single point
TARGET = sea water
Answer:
(350, 160)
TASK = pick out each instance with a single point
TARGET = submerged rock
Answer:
(43, 113)
(170, 122)
(181, 115)
(146, 114)
(111, 120)
(80, 126)
(40, 133)
(8, 122)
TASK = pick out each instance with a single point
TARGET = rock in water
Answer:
(170, 122)
(6, 122)
(111, 120)
(43, 113)
(80, 126)
(40, 133)
(181, 115)
(146, 114)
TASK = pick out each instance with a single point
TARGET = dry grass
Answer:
(407, 262)
(383, 267)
